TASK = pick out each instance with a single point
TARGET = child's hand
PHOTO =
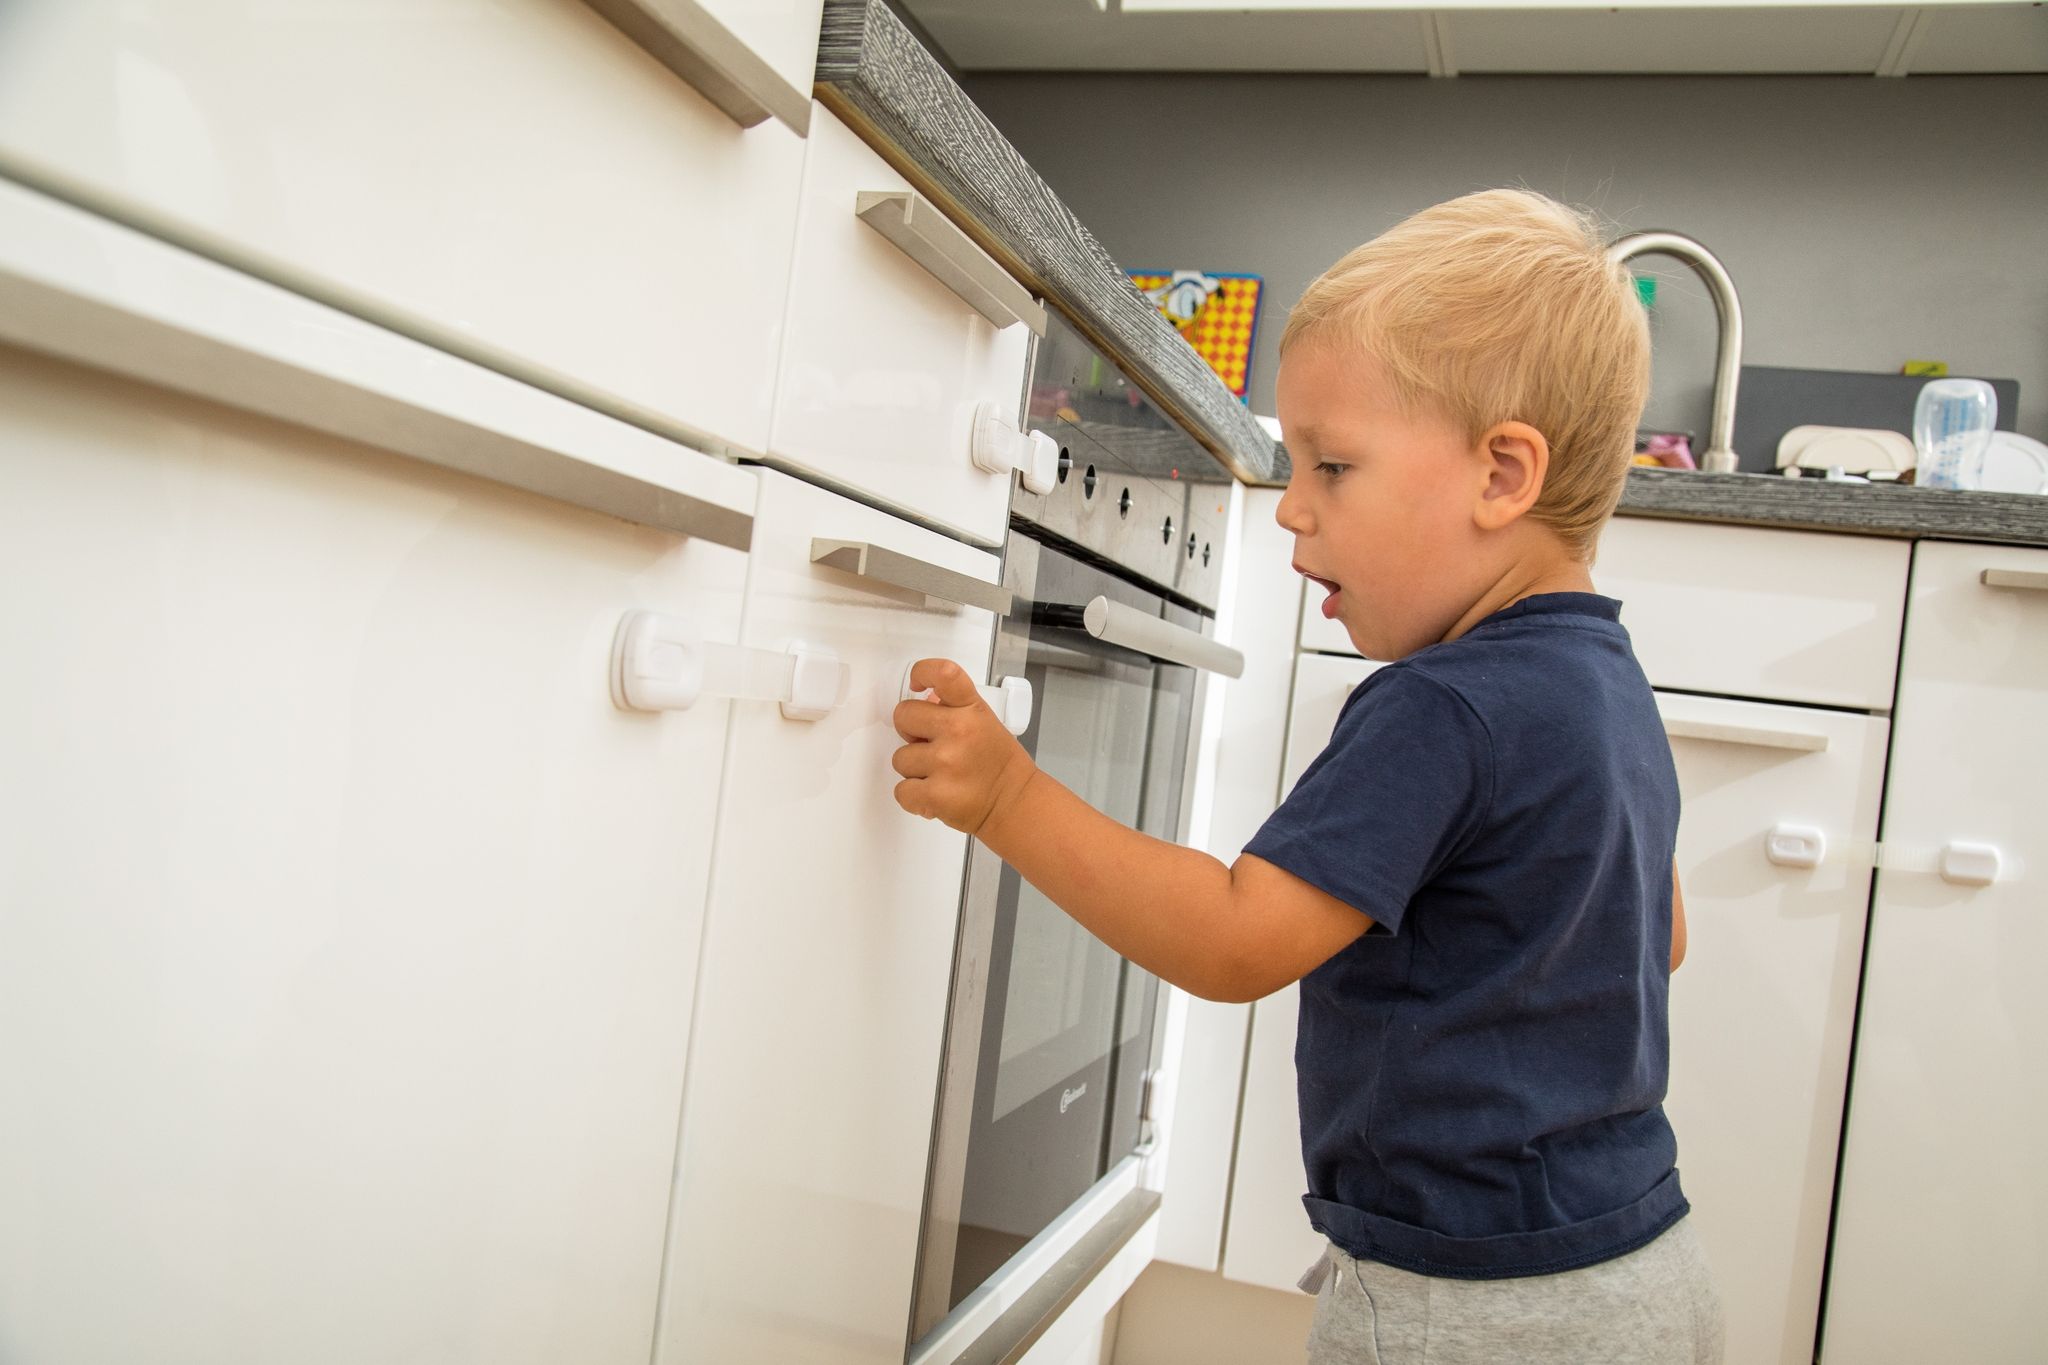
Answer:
(959, 764)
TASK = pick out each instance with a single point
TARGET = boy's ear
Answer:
(1516, 458)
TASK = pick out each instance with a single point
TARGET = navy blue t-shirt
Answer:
(1482, 1074)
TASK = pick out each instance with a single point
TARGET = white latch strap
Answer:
(663, 663)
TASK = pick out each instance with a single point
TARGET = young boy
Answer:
(1473, 883)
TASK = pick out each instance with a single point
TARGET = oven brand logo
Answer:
(1067, 1097)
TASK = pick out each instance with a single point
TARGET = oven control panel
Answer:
(1131, 487)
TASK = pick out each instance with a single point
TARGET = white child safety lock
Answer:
(998, 447)
(1790, 845)
(1010, 699)
(664, 663)
(1971, 864)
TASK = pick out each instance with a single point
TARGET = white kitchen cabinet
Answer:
(1795, 616)
(814, 1060)
(1269, 1241)
(351, 931)
(1763, 1009)
(1938, 1250)
(1205, 1090)
(514, 182)
(883, 363)
(1776, 615)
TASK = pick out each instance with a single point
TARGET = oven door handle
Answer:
(1116, 624)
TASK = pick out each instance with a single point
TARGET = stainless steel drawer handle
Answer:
(2026, 580)
(684, 37)
(1116, 624)
(1754, 736)
(949, 255)
(882, 565)
(664, 663)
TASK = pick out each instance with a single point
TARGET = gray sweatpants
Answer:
(1654, 1306)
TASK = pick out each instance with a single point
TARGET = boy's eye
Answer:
(1328, 470)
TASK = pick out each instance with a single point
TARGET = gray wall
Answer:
(1865, 222)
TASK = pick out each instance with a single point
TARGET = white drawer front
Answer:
(882, 364)
(1777, 615)
(351, 930)
(515, 182)
(828, 963)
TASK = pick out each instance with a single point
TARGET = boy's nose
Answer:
(1292, 514)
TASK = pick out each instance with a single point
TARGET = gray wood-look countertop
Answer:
(1820, 505)
(874, 74)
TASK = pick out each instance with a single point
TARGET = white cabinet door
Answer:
(350, 931)
(883, 364)
(1208, 1086)
(1939, 1252)
(814, 1063)
(1268, 1240)
(514, 182)
(1762, 1010)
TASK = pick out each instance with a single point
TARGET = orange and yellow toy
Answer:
(1218, 314)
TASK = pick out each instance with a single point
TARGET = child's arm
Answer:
(1223, 933)
(1677, 922)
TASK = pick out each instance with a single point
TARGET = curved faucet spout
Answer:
(1719, 457)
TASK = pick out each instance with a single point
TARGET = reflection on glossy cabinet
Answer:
(1938, 1249)
(1268, 1239)
(814, 1060)
(351, 930)
(1762, 1009)
(518, 183)
(882, 364)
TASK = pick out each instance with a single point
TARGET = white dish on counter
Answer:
(2014, 464)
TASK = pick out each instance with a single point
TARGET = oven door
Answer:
(1050, 1034)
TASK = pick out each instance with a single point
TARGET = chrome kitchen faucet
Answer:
(1719, 457)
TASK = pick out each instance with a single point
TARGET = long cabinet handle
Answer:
(1754, 736)
(1116, 624)
(931, 239)
(882, 565)
(685, 37)
(2026, 580)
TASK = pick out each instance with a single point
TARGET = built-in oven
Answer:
(1052, 1037)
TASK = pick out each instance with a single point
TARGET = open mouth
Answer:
(1334, 590)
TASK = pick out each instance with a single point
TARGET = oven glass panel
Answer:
(1060, 1010)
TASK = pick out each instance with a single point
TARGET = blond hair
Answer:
(1502, 306)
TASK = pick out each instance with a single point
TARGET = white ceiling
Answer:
(1647, 37)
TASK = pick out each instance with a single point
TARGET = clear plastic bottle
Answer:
(1952, 422)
